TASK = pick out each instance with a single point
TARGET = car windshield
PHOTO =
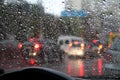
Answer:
(30, 31)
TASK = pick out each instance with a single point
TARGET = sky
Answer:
(51, 6)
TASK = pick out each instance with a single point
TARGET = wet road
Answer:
(80, 67)
(70, 66)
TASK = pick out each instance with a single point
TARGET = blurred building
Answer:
(101, 5)
(14, 1)
(1, 1)
(10, 1)
(104, 15)
(73, 4)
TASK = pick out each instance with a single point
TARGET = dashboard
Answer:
(35, 73)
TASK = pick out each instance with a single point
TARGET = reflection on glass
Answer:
(81, 68)
(100, 65)
(75, 68)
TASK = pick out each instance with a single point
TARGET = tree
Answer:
(1, 2)
(19, 19)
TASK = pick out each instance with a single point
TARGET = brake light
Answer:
(76, 42)
(82, 45)
(37, 46)
(20, 45)
(70, 44)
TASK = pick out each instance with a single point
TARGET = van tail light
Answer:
(76, 42)
(70, 44)
(82, 45)
(20, 45)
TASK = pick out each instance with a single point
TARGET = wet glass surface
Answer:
(40, 32)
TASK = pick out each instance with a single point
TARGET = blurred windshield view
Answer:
(77, 37)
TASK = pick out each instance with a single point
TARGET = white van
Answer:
(71, 45)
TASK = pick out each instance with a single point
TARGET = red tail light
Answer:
(37, 46)
(20, 45)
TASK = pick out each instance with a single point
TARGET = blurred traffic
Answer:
(44, 50)
(76, 56)
(78, 37)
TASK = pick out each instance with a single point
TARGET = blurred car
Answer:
(31, 49)
(76, 47)
(91, 50)
(71, 45)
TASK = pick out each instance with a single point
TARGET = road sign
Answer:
(73, 13)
